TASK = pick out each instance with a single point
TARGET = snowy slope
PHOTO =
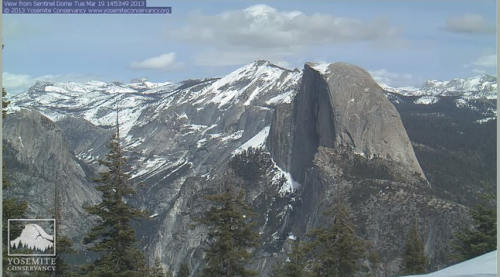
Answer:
(482, 266)
(176, 130)
(97, 101)
(483, 86)
(203, 115)
(477, 94)
(171, 126)
(94, 101)
(257, 141)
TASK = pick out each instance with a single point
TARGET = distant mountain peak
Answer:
(266, 63)
(179, 138)
(481, 83)
(481, 86)
(138, 80)
(261, 62)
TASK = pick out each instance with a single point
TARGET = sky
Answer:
(401, 43)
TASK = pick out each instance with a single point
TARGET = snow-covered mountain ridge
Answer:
(92, 100)
(95, 101)
(475, 87)
(179, 138)
(201, 113)
(201, 110)
(483, 86)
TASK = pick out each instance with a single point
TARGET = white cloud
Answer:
(486, 61)
(486, 64)
(395, 79)
(242, 36)
(470, 23)
(165, 61)
(15, 83)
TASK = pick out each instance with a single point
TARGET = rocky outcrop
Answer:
(383, 210)
(337, 135)
(348, 144)
(280, 138)
(341, 105)
(38, 158)
(84, 137)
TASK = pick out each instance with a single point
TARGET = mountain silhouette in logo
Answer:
(33, 237)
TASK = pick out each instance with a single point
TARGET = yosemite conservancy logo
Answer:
(33, 238)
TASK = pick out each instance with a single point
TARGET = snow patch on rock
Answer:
(256, 141)
(426, 100)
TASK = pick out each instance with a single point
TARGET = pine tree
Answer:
(296, 262)
(251, 164)
(157, 269)
(183, 270)
(414, 258)
(113, 237)
(12, 208)
(482, 238)
(278, 269)
(231, 235)
(64, 245)
(336, 250)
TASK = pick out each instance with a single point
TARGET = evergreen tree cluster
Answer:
(337, 250)
(183, 270)
(482, 237)
(251, 164)
(459, 152)
(295, 264)
(231, 233)
(414, 258)
(113, 236)
(375, 168)
(332, 251)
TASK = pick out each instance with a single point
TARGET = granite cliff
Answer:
(341, 105)
(39, 159)
(329, 130)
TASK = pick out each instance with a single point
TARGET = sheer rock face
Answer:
(281, 136)
(39, 159)
(180, 138)
(341, 105)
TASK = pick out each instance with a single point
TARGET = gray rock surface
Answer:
(341, 105)
(383, 210)
(280, 138)
(38, 159)
(179, 138)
